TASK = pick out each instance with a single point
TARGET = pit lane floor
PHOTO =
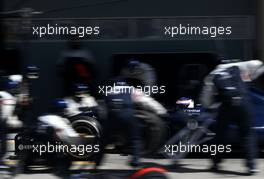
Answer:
(187, 168)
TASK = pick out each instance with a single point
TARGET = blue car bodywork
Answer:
(257, 97)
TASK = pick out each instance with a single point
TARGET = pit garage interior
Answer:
(172, 59)
(134, 29)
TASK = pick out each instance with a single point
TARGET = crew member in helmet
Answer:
(76, 65)
(120, 109)
(226, 89)
(14, 103)
(10, 89)
(26, 95)
(11, 100)
(121, 101)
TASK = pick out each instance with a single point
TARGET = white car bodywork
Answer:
(73, 107)
(62, 127)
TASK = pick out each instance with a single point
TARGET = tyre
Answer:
(149, 172)
(89, 130)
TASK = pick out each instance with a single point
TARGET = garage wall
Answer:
(45, 55)
(117, 8)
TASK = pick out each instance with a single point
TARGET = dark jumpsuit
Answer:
(120, 117)
(235, 107)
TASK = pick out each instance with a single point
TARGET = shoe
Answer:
(80, 176)
(94, 170)
(252, 168)
(134, 162)
(252, 171)
(3, 166)
(4, 170)
(214, 168)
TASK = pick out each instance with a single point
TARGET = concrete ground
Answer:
(186, 168)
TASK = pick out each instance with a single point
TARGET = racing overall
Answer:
(3, 136)
(8, 119)
(235, 106)
(121, 117)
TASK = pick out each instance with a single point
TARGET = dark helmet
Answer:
(80, 89)
(227, 61)
(59, 105)
(12, 83)
(133, 64)
(117, 81)
(32, 72)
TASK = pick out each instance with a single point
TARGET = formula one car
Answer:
(192, 124)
